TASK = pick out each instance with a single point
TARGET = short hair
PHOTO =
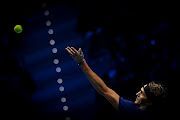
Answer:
(159, 91)
(160, 105)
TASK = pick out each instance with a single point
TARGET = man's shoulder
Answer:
(124, 103)
(129, 109)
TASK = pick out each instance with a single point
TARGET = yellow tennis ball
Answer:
(18, 29)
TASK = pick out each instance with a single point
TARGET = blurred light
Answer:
(58, 69)
(98, 30)
(46, 12)
(174, 64)
(153, 42)
(43, 4)
(122, 59)
(123, 44)
(118, 39)
(89, 34)
(65, 108)
(101, 59)
(140, 36)
(50, 31)
(4, 77)
(48, 23)
(54, 50)
(67, 118)
(165, 57)
(61, 88)
(130, 75)
(59, 80)
(112, 73)
(154, 56)
(63, 99)
(52, 42)
(162, 26)
(144, 47)
(56, 61)
(125, 78)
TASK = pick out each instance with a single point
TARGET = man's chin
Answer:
(136, 102)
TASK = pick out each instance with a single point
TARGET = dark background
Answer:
(128, 44)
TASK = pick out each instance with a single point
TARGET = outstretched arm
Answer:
(95, 80)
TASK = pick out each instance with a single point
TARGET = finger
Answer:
(72, 51)
(69, 51)
(80, 51)
(75, 50)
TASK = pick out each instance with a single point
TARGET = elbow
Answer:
(101, 92)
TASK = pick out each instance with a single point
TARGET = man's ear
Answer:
(147, 102)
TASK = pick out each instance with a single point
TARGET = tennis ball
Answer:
(18, 29)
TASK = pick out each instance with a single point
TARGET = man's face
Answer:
(141, 96)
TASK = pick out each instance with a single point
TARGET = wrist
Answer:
(81, 62)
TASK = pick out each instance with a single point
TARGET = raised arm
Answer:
(95, 80)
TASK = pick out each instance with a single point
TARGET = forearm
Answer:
(95, 80)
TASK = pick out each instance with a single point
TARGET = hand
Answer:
(78, 56)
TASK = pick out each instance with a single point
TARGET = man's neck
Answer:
(143, 107)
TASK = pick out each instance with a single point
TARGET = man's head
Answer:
(151, 94)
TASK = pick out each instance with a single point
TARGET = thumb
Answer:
(80, 51)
